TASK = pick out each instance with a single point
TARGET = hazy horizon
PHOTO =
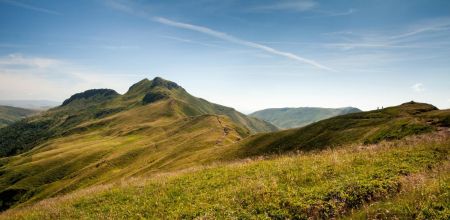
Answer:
(247, 55)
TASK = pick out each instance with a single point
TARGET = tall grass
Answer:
(328, 184)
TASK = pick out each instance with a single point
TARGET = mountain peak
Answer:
(413, 107)
(91, 94)
(139, 86)
(158, 81)
(145, 85)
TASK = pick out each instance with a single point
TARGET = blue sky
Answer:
(245, 54)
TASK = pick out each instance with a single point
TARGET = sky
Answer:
(249, 55)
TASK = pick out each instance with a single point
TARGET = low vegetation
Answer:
(299, 117)
(99, 136)
(9, 114)
(371, 127)
(332, 183)
(22, 136)
(422, 196)
(330, 168)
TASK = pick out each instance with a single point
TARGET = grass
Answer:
(96, 156)
(99, 136)
(371, 127)
(87, 144)
(298, 117)
(332, 183)
(9, 115)
(159, 137)
(423, 196)
(93, 106)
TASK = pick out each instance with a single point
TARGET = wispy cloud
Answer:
(333, 13)
(189, 41)
(217, 34)
(233, 39)
(17, 60)
(419, 35)
(300, 6)
(418, 87)
(29, 77)
(286, 5)
(6, 45)
(29, 7)
(434, 25)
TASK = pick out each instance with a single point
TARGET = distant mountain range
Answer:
(31, 104)
(9, 115)
(299, 117)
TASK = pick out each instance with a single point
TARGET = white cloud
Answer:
(427, 26)
(233, 39)
(418, 87)
(184, 40)
(289, 5)
(214, 33)
(323, 13)
(29, 7)
(418, 35)
(25, 77)
(20, 61)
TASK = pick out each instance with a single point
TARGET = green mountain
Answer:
(99, 136)
(371, 127)
(390, 164)
(158, 152)
(299, 117)
(9, 115)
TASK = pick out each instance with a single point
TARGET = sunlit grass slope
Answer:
(98, 104)
(356, 181)
(299, 117)
(99, 136)
(365, 128)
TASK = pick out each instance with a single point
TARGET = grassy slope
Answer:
(56, 122)
(323, 185)
(122, 146)
(422, 196)
(299, 117)
(158, 137)
(365, 127)
(9, 115)
(101, 142)
(101, 139)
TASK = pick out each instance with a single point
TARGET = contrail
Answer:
(230, 38)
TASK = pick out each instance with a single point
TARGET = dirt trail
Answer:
(225, 132)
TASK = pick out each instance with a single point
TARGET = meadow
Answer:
(390, 179)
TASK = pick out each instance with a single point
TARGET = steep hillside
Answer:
(9, 115)
(402, 179)
(98, 104)
(99, 136)
(299, 117)
(361, 128)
